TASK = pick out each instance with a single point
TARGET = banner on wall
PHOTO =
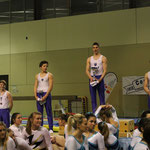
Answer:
(133, 85)
(110, 81)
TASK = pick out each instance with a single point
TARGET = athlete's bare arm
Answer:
(146, 84)
(10, 101)
(35, 87)
(104, 61)
(50, 80)
(88, 69)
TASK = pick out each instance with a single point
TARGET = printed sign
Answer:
(133, 85)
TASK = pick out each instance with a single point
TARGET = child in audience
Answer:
(145, 114)
(108, 114)
(37, 136)
(145, 143)
(76, 140)
(95, 139)
(111, 142)
(58, 142)
(136, 139)
(20, 144)
(6, 143)
(16, 127)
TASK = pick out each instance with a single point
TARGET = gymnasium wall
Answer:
(65, 42)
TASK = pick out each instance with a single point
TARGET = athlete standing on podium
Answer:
(42, 92)
(96, 68)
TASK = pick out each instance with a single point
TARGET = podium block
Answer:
(126, 125)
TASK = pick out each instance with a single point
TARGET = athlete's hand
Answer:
(108, 106)
(53, 139)
(99, 80)
(36, 97)
(91, 79)
(43, 98)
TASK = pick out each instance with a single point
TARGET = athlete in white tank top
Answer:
(6, 103)
(147, 86)
(42, 92)
(97, 66)
(43, 83)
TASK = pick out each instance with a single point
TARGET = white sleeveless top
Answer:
(149, 80)
(4, 102)
(43, 83)
(96, 66)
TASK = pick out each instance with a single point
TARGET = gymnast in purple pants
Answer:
(42, 92)
(147, 86)
(96, 68)
(6, 103)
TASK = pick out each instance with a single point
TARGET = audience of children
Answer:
(79, 132)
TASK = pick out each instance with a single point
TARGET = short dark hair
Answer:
(95, 43)
(43, 62)
(13, 117)
(4, 82)
(89, 114)
(105, 111)
(144, 114)
(64, 117)
(146, 134)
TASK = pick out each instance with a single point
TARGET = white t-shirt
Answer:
(112, 142)
(10, 145)
(38, 139)
(135, 140)
(73, 144)
(21, 144)
(66, 132)
(96, 141)
(112, 128)
(17, 130)
(114, 114)
(141, 146)
(136, 132)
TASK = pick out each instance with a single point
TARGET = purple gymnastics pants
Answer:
(48, 108)
(148, 102)
(101, 92)
(5, 116)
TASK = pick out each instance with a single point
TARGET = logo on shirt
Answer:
(36, 143)
(0, 100)
(42, 79)
(95, 64)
